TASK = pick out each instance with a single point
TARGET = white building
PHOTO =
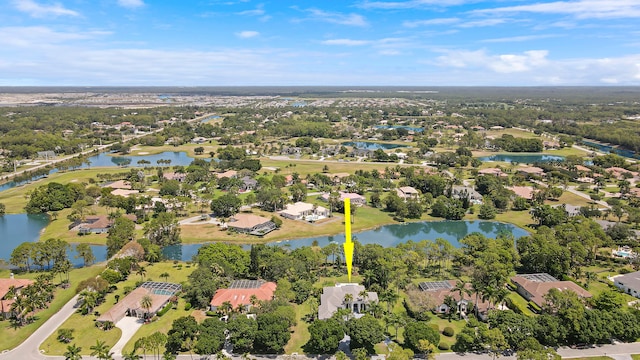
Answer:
(304, 211)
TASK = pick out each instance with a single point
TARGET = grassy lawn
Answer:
(300, 334)
(84, 324)
(592, 358)
(570, 198)
(15, 198)
(520, 218)
(635, 356)
(304, 167)
(521, 302)
(10, 337)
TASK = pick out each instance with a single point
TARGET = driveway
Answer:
(129, 326)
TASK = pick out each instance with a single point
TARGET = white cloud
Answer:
(581, 9)
(258, 11)
(518, 38)
(438, 21)
(247, 34)
(37, 10)
(131, 4)
(336, 18)
(503, 63)
(34, 36)
(482, 23)
(412, 4)
(346, 42)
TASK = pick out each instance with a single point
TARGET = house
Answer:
(629, 283)
(621, 173)
(99, 224)
(9, 288)
(248, 184)
(47, 155)
(583, 169)
(439, 290)
(239, 294)
(571, 210)
(461, 192)
(338, 177)
(124, 192)
(345, 296)
(355, 199)
(174, 176)
(251, 224)
(366, 153)
(120, 184)
(199, 140)
(291, 150)
(407, 192)
(160, 293)
(530, 171)
(228, 174)
(304, 211)
(526, 192)
(534, 287)
(492, 171)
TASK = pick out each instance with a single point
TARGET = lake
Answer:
(387, 235)
(18, 228)
(373, 145)
(104, 160)
(522, 158)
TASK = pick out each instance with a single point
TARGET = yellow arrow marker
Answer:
(348, 245)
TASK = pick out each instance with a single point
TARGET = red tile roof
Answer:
(243, 296)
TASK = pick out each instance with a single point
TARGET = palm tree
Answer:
(225, 308)
(142, 343)
(101, 351)
(131, 356)
(461, 289)
(188, 344)
(348, 299)
(396, 321)
(142, 272)
(146, 302)
(165, 275)
(73, 353)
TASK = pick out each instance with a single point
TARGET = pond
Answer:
(18, 228)
(104, 160)
(522, 158)
(373, 145)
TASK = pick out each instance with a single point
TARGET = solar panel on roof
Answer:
(246, 284)
(434, 285)
(540, 277)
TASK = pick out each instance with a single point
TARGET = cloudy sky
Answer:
(329, 42)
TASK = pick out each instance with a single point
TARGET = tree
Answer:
(163, 230)
(121, 232)
(132, 355)
(84, 251)
(3, 209)
(549, 216)
(487, 211)
(325, 335)
(73, 353)
(420, 330)
(146, 303)
(493, 342)
(365, 332)
(142, 272)
(211, 336)
(531, 349)
(398, 353)
(165, 276)
(101, 350)
(226, 205)
(242, 333)
(273, 333)
(182, 328)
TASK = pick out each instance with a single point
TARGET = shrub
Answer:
(165, 309)
(448, 331)
(444, 346)
(187, 306)
(65, 335)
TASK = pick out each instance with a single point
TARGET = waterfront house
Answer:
(251, 224)
(240, 292)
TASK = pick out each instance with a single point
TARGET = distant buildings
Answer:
(9, 289)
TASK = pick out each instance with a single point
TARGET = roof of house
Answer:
(247, 221)
(539, 286)
(6, 284)
(300, 207)
(408, 190)
(531, 170)
(227, 174)
(582, 168)
(523, 191)
(124, 192)
(102, 221)
(120, 184)
(240, 292)
(159, 292)
(630, 280)
(492, 171)
(174, 176)
(439, 290)
(332, 298)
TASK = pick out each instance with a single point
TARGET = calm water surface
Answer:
(372, 145)
(522, 158)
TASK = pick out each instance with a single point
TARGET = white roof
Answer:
(300, 207)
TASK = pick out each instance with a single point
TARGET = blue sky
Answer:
(330, 42)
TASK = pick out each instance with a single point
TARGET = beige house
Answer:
(251, 224)
(304, 211)
(345, 296)
(534, 287)
(407, 192)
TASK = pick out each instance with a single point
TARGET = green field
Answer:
(10, 337)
